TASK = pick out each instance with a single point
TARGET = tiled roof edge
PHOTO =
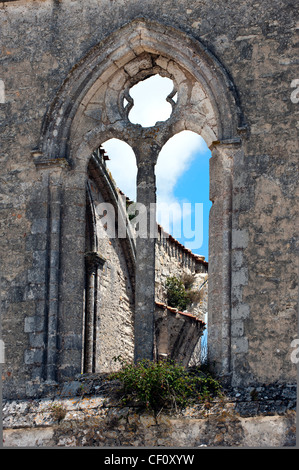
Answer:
(175, 310)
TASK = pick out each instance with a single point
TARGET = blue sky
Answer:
(182, 170)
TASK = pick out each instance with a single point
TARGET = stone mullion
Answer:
(145, 254)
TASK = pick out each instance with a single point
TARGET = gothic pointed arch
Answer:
(91, 107)
(140, 49)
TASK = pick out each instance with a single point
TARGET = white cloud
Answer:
(174, 160)
(122, 165)
(150, 103)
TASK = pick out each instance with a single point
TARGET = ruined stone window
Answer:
(151, 101)
(95, 105)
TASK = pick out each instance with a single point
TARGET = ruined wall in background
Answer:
(115, 330)
(173, 259)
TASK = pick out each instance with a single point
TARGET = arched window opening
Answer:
(89, 109)
(182, 173)
(109, 267)
(183, 206)
(121, 163)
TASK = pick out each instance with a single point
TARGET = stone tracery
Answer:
(89, 109)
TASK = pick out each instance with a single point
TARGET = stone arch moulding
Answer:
(114, 53)
(89, 110)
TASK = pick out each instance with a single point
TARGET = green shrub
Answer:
(176, 293)
(155, 385)
(180, 293)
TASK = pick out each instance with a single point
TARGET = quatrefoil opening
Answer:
(150, 101)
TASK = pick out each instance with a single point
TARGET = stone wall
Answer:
(178, 336)
(115, 330)
(84, 413)
(255, 161)
(135, 432)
